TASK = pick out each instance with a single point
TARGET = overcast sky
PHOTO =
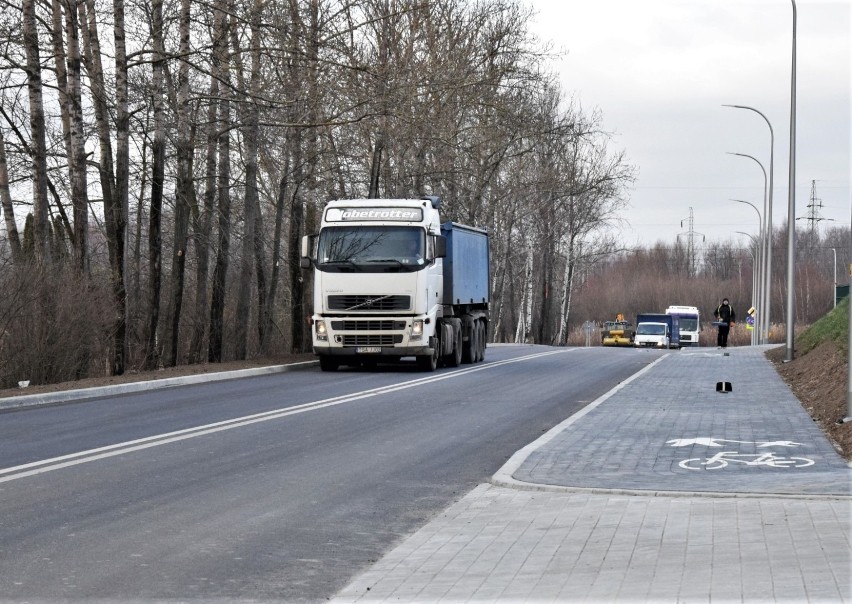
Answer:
(660, 70)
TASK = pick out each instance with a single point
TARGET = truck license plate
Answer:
(368, 349)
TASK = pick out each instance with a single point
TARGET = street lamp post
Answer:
(791, 207)
(834, 283)
(764, 319)
(760, 260)
(755, 280)
(767, 216)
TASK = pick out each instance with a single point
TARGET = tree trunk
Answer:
(220, 271)
(6, 204)
(281, 200)
(184, 185)
(567, 290)
(204, 219)
(260, 272)
(251, 133)
(525, 310)
(299, 337)
(116, 214)
(158, 162)
(77, 158)
(38, 146)
(297, 220)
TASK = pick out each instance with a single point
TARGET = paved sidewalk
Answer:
(663, 490)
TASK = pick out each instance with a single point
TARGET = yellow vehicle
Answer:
(618, 332)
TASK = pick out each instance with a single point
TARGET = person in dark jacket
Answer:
(726, 315)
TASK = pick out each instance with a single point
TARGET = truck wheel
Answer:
(477, 341)
(469, 346)
(428, 362)
(454, 359)
(328, 363)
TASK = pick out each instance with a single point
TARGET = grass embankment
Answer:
(819, 374)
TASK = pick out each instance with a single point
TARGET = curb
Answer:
(505, 476)
(83, 394)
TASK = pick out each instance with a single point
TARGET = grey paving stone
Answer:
(622, 520)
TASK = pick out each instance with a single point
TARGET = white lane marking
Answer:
(73, 459)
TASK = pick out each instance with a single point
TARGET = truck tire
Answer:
(328, 363)
(477, 341)
(469, 346)
(454, 359)
(428, 362)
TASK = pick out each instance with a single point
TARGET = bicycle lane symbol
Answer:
(724, 458)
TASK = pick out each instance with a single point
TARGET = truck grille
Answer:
(369, 303)
(372, 340)
(368, 325)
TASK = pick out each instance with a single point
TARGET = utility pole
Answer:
(690, 244)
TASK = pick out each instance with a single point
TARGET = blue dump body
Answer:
(670, 320)
(466, 269)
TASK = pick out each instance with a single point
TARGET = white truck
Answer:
(689, 320)
(391, 281)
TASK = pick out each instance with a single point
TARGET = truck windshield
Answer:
(651, 329)
(371, 249)
(688, 323)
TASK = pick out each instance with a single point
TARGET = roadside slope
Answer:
(819, 374)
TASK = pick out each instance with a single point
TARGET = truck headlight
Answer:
(417, 329)
(322, 334)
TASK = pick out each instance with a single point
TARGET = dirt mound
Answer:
(819, 379)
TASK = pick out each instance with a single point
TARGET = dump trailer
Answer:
(391, 281)
(617, 333)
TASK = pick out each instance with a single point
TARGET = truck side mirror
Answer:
(440, 246)
(307, 251)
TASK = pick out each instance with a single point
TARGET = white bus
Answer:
(690, 323)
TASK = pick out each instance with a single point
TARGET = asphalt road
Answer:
(281, 487)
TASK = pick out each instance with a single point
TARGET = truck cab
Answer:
(689, 321)
(652, 335)
(380, 285)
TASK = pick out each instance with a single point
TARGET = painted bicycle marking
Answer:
(723, 459)
(715, 442)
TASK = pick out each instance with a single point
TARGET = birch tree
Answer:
(7, 205)
(38, 145)
(158, 162)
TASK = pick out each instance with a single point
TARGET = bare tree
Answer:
(184, 189)
(250, 129)
(38, 146)
(158, 160)
(220, 271)
(7, 205)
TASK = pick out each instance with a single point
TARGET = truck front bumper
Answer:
(367, 352)
(362, 338)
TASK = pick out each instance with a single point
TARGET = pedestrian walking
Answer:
(725, 317)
